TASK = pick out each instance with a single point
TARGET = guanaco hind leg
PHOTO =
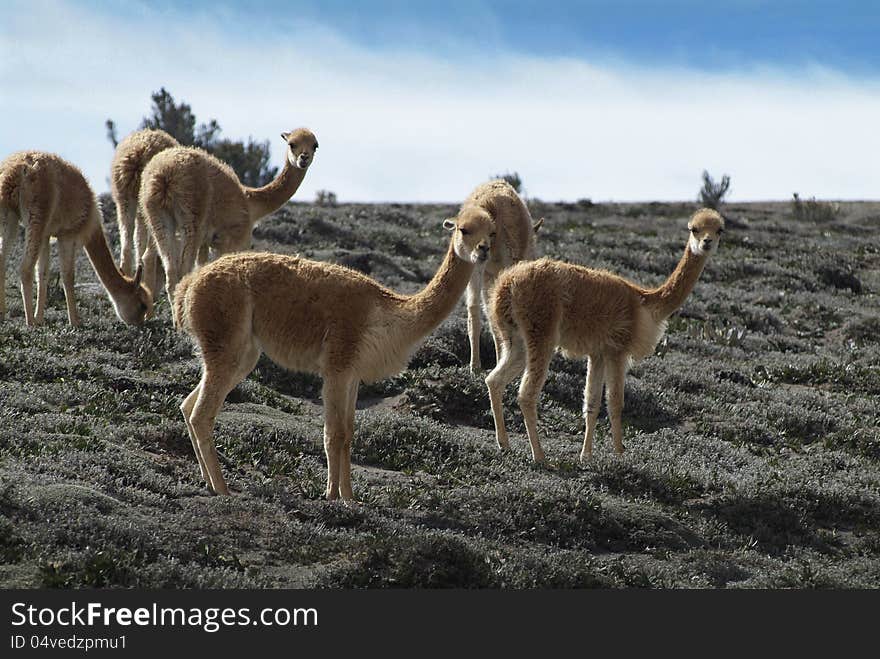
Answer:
(615, 372)
(511, 363)
(592, 401)
(538, 355)
(221, 373)
(9, 226)
(128, 254)
(33, 244)
(345, 490)
(67, 256)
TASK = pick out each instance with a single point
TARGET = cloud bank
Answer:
(412, 126)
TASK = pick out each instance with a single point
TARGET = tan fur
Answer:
(191, 200)
(543, 305)
(513, 240)
(131, 156)
(50, 197)
(314, 317)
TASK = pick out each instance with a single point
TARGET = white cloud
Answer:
(411, 126)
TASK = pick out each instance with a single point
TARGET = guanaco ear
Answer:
(138, 274)
(537, 225)
(449, 224)
(285, 136)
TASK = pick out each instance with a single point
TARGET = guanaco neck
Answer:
(272, 196)
(425, 310)
(668, 298)
(98, 251)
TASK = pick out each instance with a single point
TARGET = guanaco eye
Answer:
(316, 146)
(720, 231)
(492, 235)
(292, 145)
(694, 230)
(464, 232)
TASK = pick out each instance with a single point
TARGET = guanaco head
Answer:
(474, 233)
(706, 227)
(138, 305)
(301, 147)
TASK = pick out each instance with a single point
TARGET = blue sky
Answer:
(422, 100)
(699, 34)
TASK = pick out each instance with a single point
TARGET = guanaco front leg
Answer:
(472, 299)
(489, 280)
(335, 394)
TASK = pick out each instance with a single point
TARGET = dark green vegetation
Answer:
(752, 433)
(712, 193)
(250, 161)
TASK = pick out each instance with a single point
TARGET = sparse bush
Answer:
(712, 193)
(668, 483)
(325, 198)
(292, 383)
(110, 125)
(92, 569)
(513, 179)
(432, 560)
(839, 277)
(564, 516)
(863, 330)
(450, 395)
(812, 210)
(250, 161)
(403, 443)
(12, 548)
(845, 377)
(564, 569)
(713, 330)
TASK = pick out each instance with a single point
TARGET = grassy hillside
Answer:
(753, 433)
